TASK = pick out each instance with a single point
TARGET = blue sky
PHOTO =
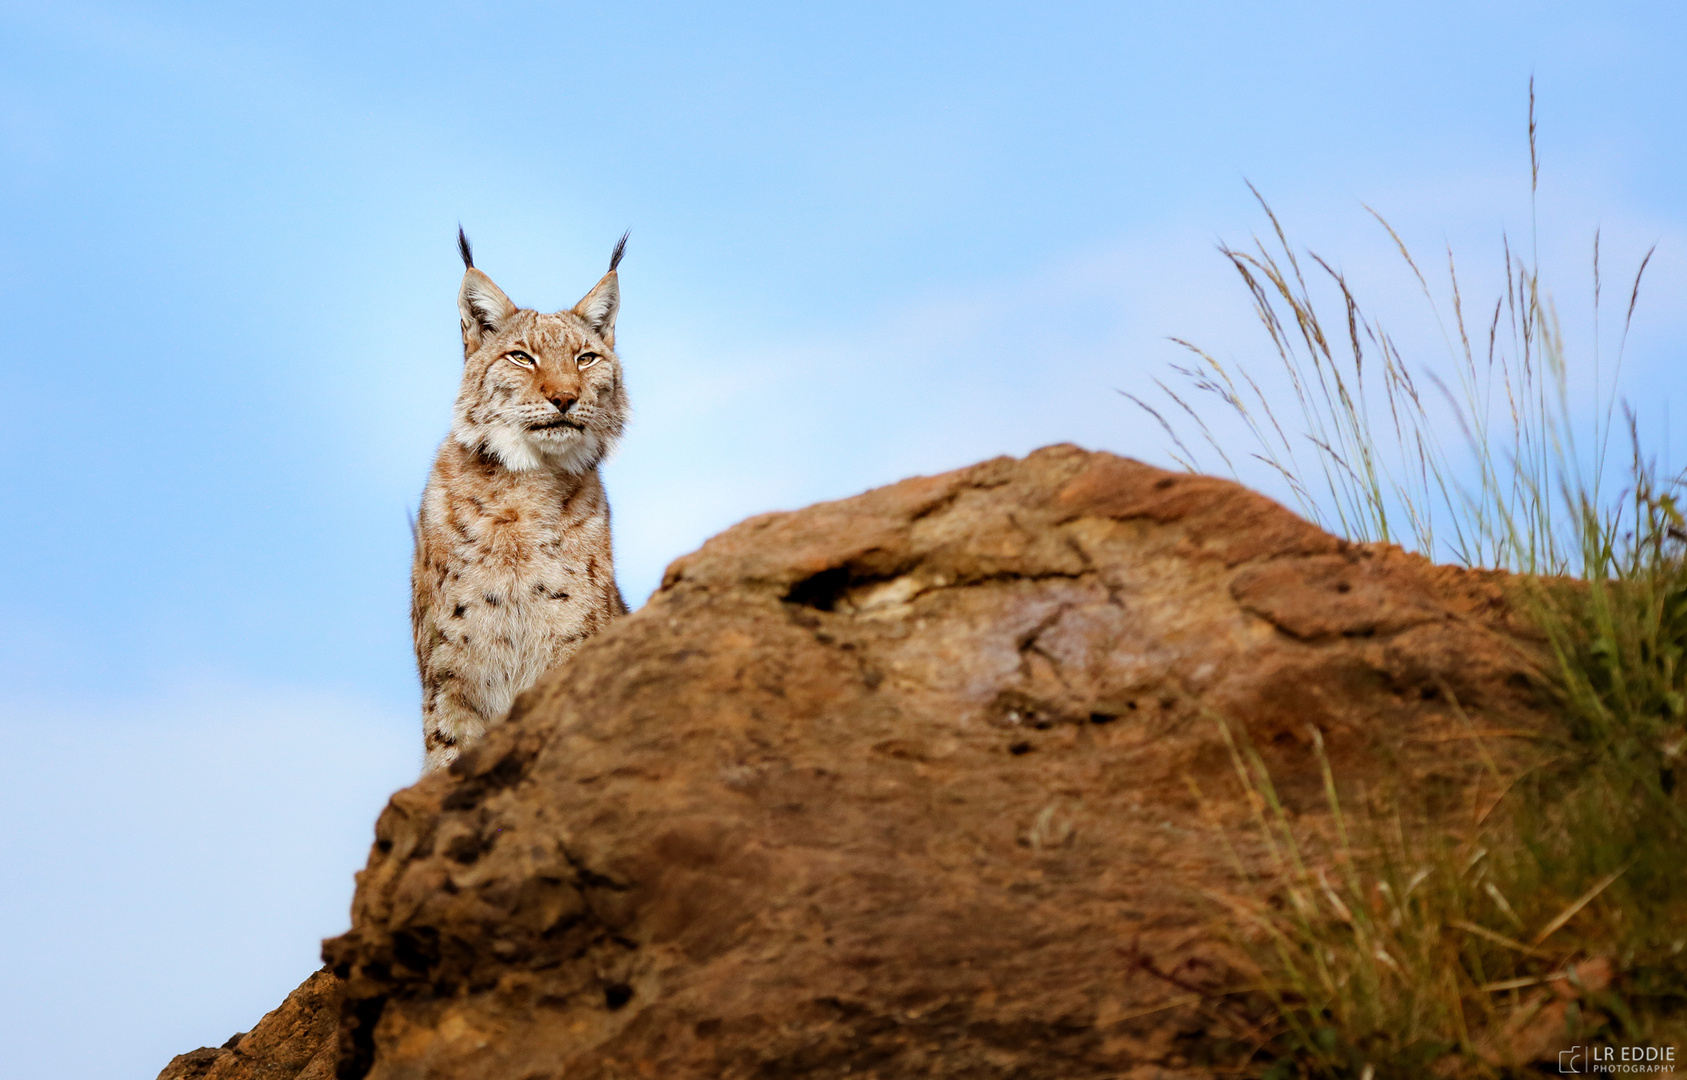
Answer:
(868, 241)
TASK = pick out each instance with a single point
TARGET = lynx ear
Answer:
(599, 306)
(484, 308)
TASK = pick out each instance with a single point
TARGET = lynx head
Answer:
(539, 391)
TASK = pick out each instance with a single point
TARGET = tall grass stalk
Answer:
(1359, 437)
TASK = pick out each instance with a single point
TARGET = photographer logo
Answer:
(1615, 1060)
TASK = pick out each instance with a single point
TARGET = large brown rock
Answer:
(905, 785)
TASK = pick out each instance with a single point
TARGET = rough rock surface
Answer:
(905, 785)
(293, 1042)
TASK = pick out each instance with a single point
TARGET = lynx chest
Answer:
(513, 573)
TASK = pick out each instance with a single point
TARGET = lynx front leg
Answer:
(449, 722)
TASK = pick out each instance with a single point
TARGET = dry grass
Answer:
(1397, 947)
(1392, 949)
(1361, 441)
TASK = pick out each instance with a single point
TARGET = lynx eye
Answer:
(519, 357)
(586, 360)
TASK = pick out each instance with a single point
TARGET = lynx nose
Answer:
(563, 402)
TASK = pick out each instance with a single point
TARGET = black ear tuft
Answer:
(620, 250)
(464, 250)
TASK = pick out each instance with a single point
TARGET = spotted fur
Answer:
(513, 566)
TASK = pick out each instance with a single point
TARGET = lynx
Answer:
(513, 566)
